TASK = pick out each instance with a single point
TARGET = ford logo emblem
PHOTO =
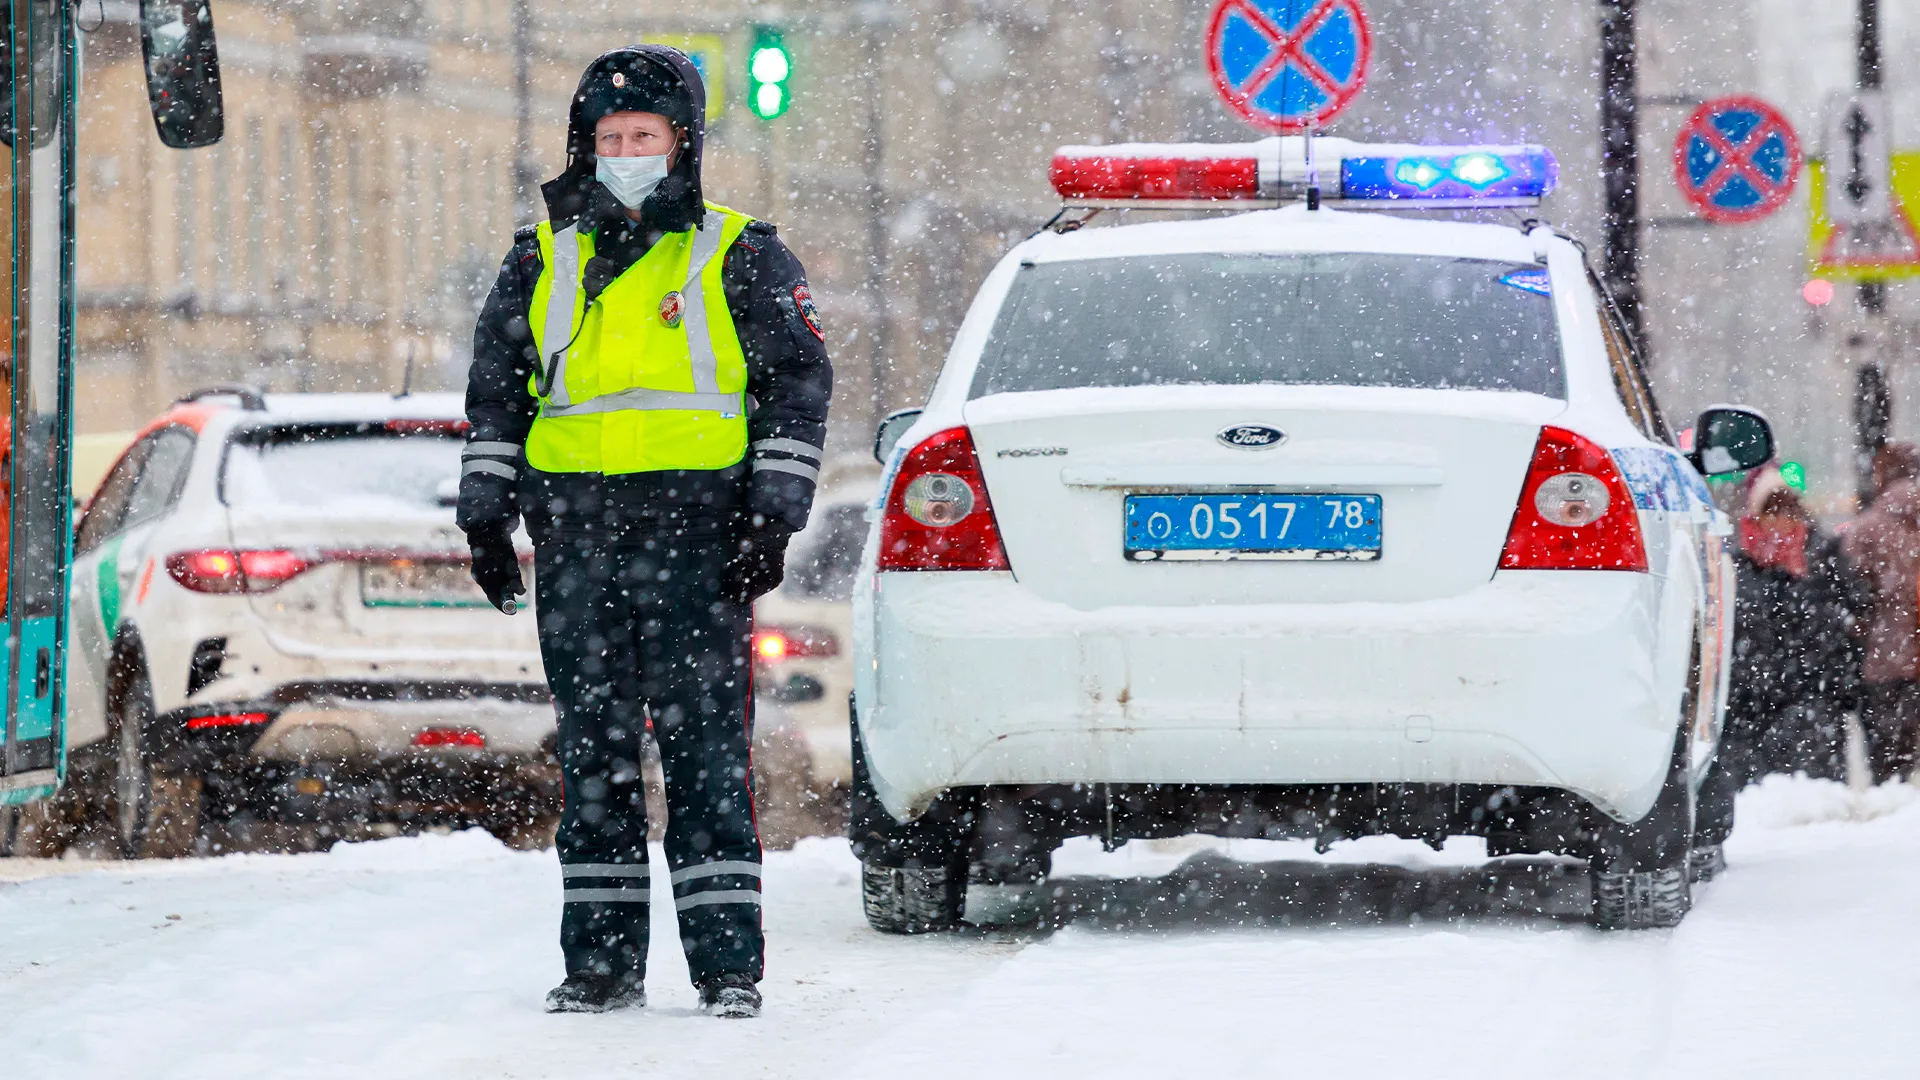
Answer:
(1252, 437)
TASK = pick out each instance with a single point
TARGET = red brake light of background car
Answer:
(223, 720)
(772, 644)
(938, 516)
(449, 736)
(1575, 511)
(220, 571)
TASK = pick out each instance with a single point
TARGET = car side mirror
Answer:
(1729, 439)
(887, 435)
(183, 72)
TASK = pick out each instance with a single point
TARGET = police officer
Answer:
(649, 393)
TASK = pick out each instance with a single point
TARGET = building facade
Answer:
(346, 229)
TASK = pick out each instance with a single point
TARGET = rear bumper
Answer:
(1537, 679)
(339, 759)
(366, 724)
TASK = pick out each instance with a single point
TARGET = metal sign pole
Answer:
(1873, 406)
(1620, 164)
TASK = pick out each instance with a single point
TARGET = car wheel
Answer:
(524, 832)
(37, 830)
(1642, 873)
(913, 874)
(912, 900)
(154, 813)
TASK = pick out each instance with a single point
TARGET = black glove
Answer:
(759, 566)
(496, 567)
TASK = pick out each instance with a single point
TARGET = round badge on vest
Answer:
(672, 306)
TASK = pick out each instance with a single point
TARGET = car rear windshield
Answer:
(1317, 319)
(349, 468)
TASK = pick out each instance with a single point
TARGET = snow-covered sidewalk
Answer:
(428, 957)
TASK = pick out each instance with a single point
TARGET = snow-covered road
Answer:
(428, 957)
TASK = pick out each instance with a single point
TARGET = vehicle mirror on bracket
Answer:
(1728, 439)
(887, 435)
(183, 72)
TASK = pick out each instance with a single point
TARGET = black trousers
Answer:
(1890, 713)
(634, 629)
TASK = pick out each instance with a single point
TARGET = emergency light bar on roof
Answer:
(1186, 176)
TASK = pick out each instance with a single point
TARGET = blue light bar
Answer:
(1455, 174)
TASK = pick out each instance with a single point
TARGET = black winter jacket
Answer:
(1797, 639)
(789, 379)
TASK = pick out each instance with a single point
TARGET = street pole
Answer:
(1620, 163)
(878, 351)
(1872, 404)
(526, 178)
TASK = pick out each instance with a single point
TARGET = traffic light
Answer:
(1795, 474)
(769, 64)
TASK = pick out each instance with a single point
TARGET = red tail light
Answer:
(219, 571)
(772, 644)
(446, 736)
(937, 515)
(1575, 511)
(202, 723)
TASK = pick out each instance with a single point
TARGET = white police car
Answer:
(1293, 523)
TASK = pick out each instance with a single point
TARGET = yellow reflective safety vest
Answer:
(653, 377)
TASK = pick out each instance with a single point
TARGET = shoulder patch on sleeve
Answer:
(809, 314)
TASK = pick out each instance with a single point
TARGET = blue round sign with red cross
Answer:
(1287, 65)
(1736, 159)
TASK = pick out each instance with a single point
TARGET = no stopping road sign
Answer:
(1736, 159)
(1286, 65)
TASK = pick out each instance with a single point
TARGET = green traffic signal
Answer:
(768, 67)
(1795, 474)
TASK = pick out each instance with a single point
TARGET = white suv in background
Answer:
(273, 621)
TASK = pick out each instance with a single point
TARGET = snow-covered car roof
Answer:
(1290, 228)
(323, 407)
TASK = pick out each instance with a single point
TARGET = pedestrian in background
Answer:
(649, 393)
(1800, 617)
(1884, 542)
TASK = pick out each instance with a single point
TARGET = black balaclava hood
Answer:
(642, 78)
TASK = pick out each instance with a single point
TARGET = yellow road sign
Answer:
(708, 53)
(1872, 250)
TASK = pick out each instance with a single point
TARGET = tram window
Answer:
(160, 479)
(45, 48)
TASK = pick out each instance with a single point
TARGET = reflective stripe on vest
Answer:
(621, 388)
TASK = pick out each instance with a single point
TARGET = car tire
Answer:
(1641, 874)
(524, 832)
(913, 874)
(1640, 899)
(35, 830)
(153, 813)
(912, 900)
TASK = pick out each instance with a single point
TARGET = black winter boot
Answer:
(592, 992)
(730, 995)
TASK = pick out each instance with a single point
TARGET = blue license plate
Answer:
(1253, 525)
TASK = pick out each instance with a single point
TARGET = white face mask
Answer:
(631, 179)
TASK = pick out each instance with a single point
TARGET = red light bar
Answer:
(448, 736)
(201, 723)
(1086, 173)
